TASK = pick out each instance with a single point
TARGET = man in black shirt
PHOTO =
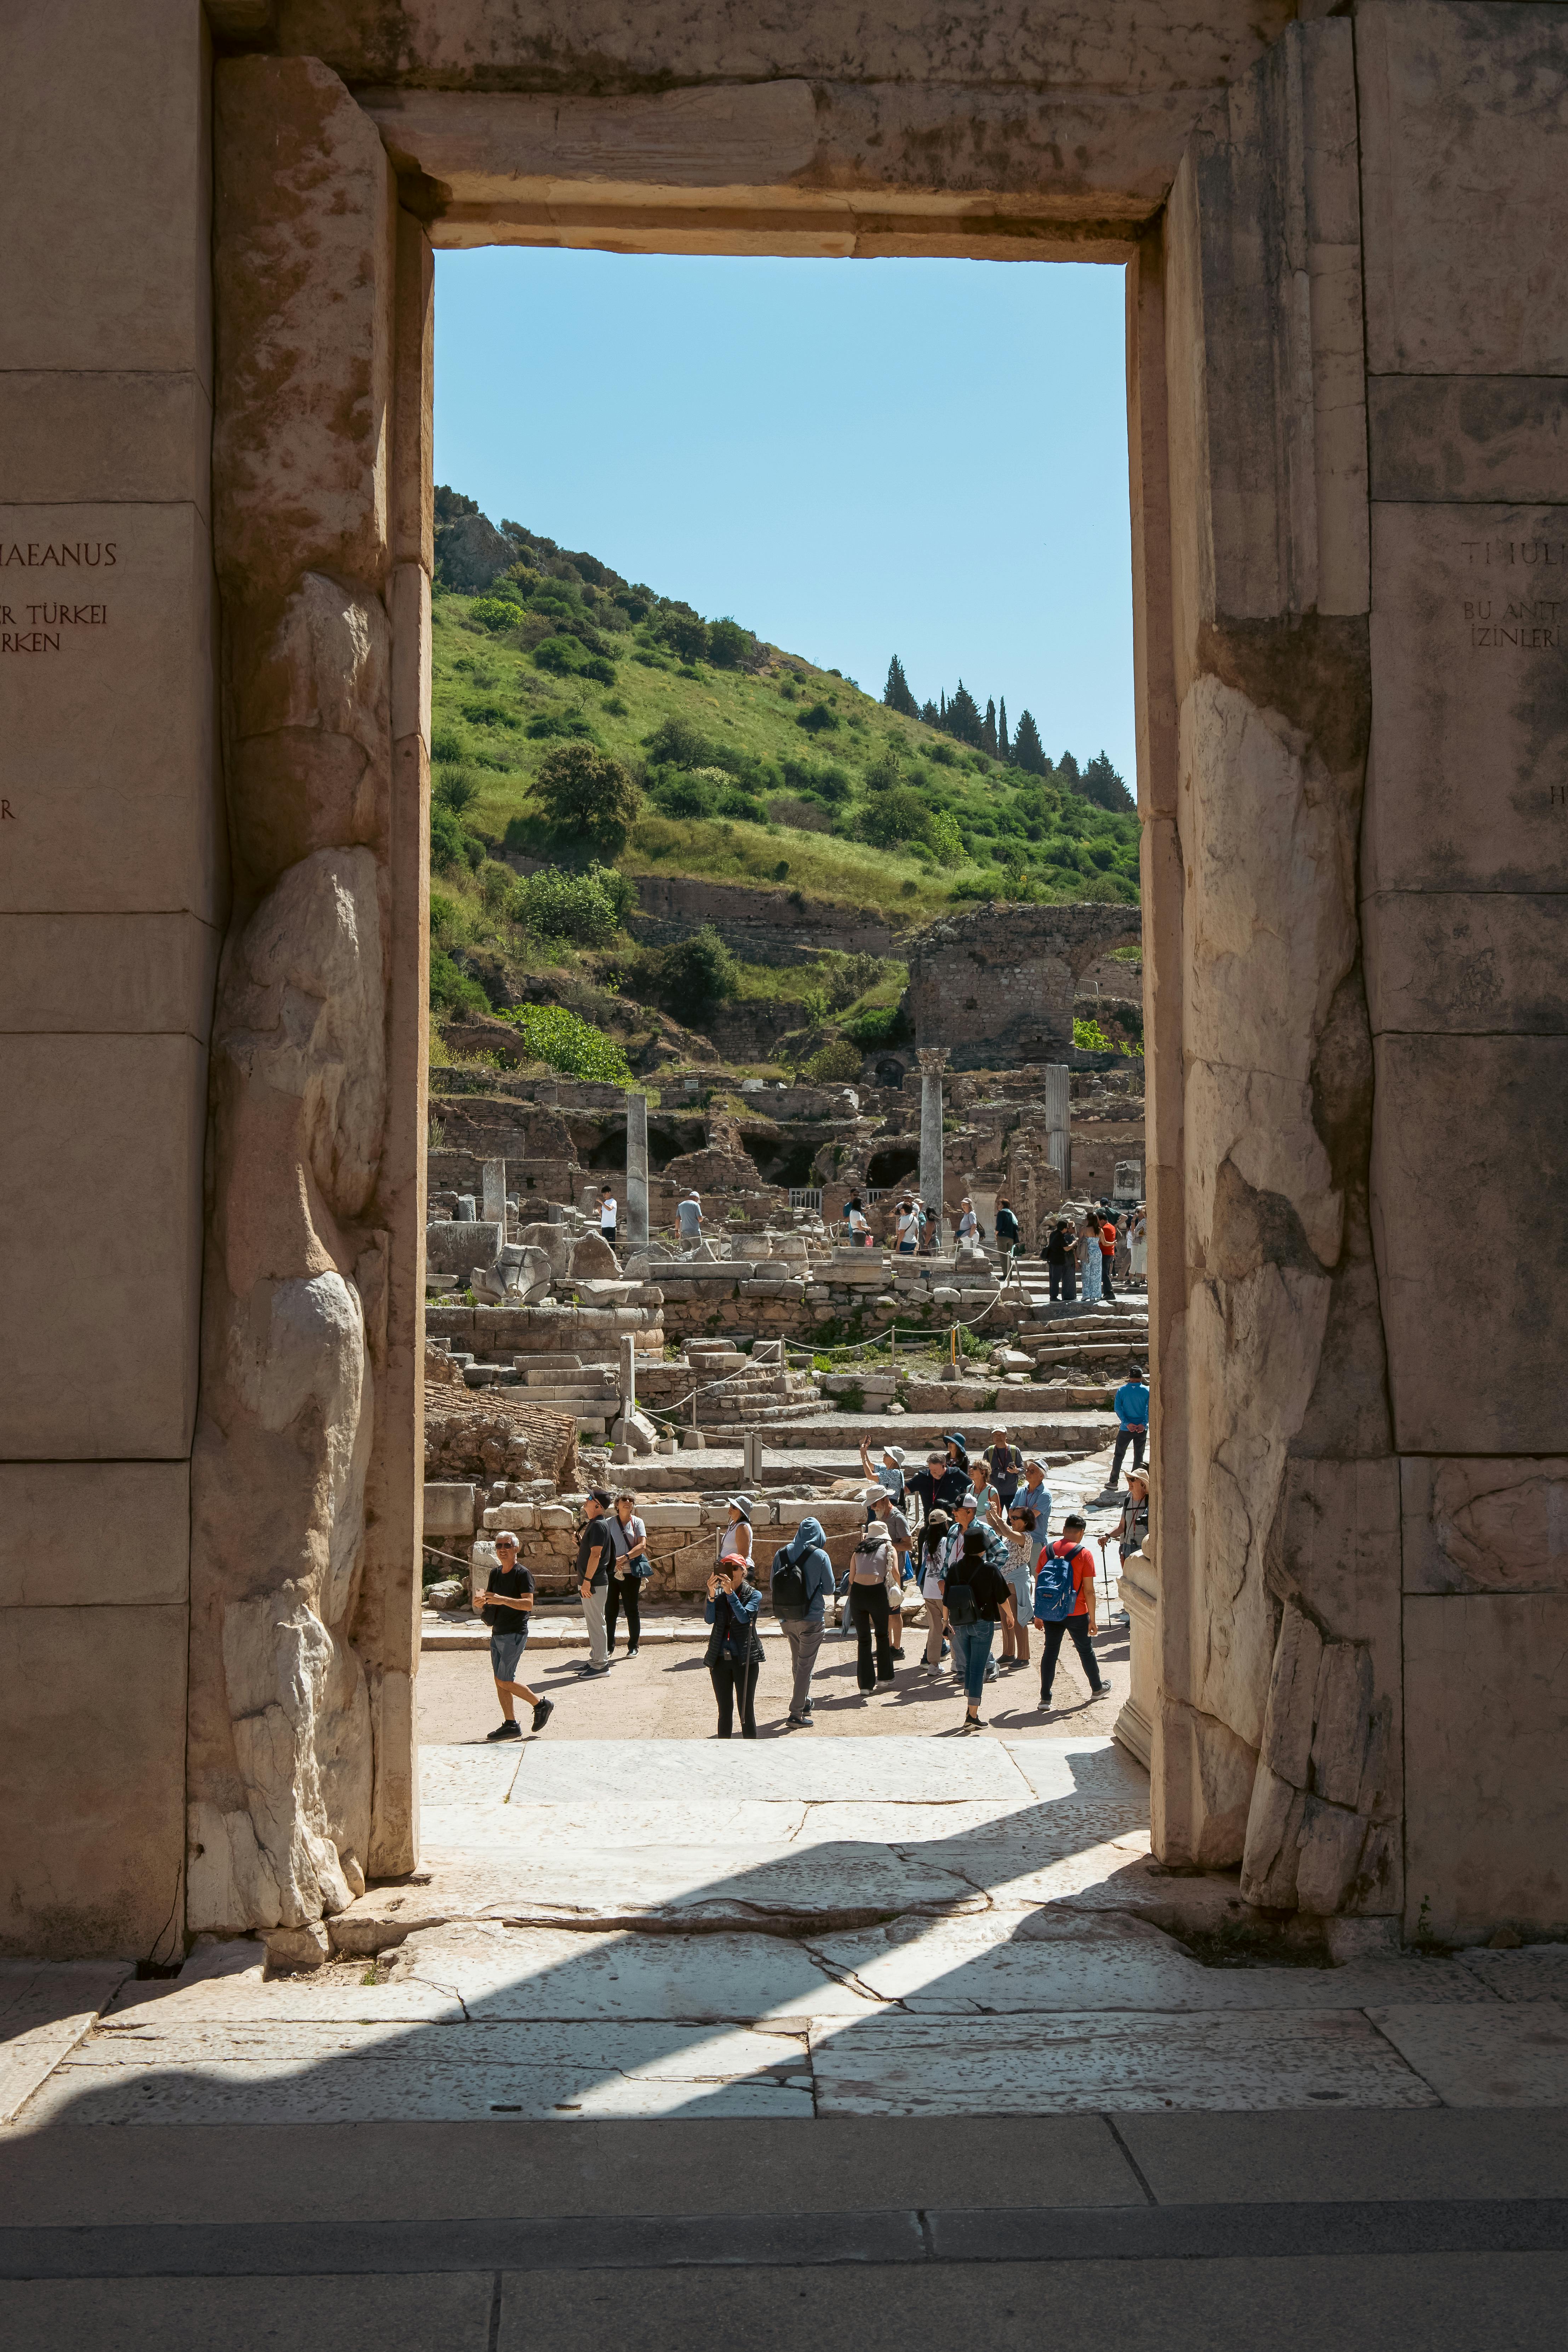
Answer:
(939, 1486)
(595, 1565)
(506, 1602)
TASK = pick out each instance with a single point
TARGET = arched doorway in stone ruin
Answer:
(1250, 526)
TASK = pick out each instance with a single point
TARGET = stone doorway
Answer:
(1352, 1046)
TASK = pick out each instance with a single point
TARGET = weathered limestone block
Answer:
(1329, 1843)
(1292, 1690)
(554, 1241)
(1341, 1728)
(311, 719)
(1273, 1826)
(592, 1257)
(1485, 1526)
(304, 204)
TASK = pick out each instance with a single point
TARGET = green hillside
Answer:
(734, 760)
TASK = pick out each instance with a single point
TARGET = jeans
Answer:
(1107, 1278)
(625, 1592)
(1079, 1628)
(1125, 1437)
(804, 1635)
(1063, 1285)
(593, 1617)
(730, 1683)
(971, 1648)
(868, 1608)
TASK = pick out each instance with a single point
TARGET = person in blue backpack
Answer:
(1063, 1604)
(801, 1584)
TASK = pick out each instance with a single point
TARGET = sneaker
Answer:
(633, 1651)
(507, 1730)
(1045, 1698)
(990, 1670)
(1100, 1690)
(542, 1713)
(595, 1670)
(895, 1653)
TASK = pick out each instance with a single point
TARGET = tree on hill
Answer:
(1067, 768)
(895, 694)
(1004, 750)
(451, 505)
(582, 789)
(988, 730)
(1102, 786)
(929, 714)
(1028, 752)
(962, 718)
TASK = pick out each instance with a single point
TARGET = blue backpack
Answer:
(1054, 1592)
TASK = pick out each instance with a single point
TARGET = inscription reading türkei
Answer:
(45, 626)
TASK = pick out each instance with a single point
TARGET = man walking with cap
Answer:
(507, 1601)
(595, 1564)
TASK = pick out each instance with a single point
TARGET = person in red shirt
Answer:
(1107, 1256)
(1078, 1620)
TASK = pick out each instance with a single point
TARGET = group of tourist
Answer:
(967, 1539)
(1087, 1257)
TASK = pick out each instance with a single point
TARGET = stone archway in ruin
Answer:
(1340, 418)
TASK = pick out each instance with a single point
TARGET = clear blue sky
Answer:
(854, 458)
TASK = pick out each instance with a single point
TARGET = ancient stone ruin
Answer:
(1347, 485)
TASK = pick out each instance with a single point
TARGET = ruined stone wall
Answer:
(997, 984)
(759, 926)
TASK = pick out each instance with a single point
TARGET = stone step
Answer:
(1090, 1352)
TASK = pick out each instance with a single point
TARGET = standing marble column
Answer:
(636, 1170)
(933, 1061)
(1058, 1122)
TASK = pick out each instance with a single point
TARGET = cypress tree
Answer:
(1028, 752)
(988, 730)
(895, 694)
(1004, 750)
(1102, 786)
(930, 715)
(962, 716)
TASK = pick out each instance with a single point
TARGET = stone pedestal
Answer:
(492, 1178)
(933, 1060)
(636, 1172)
(1134, 1726)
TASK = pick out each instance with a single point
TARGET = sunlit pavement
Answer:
(779, 2037)
(880, 2027)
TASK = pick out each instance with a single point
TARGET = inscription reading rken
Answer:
(45, 626)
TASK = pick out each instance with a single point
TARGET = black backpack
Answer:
(787, 1584)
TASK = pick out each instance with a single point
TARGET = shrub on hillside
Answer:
(568, 657)
(688, 636)
(563, 1042)
(452, 990)
(553, 905)
(682, 793)
(450, 845)
(818, 721)
(677, 744)
(828, 784)
(456, 789)
(565, 725)
(496, 611)
(835, 1061)
(879, 1025)
(584, 789)
(729, 645)
(688, 975)
(891, 818)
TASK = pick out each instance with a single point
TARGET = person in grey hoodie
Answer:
(804, 1564)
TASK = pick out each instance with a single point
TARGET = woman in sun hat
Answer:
(735, 1536)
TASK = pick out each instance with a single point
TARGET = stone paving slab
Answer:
(533, 1973)
(670, 1886)
(1010, 1963)
(552, 1829)
(1540, 1972)
(337, 1994)
(895, 1769)
(477, 1776)
(1514, 2054)
(1074, 2062)
(46, 2008)
(232, 2074)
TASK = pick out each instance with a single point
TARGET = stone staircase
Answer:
(1100, 1341)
